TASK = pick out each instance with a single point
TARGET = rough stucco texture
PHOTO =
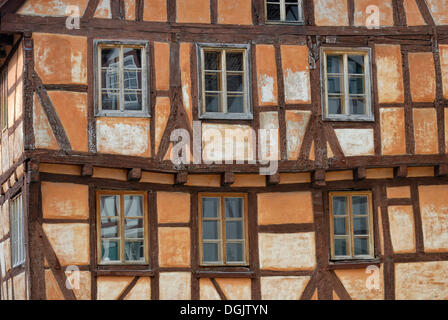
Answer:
(389, 74)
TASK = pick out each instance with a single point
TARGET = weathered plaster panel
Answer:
(65, 201)
(421, 281)
(425, 131)
(423, 76)
(173, 207)
(296, 74)
(399, 192)
(413, 15)
(363, 15)
(43, 133)
(175, 286)
(20, 286)
(236, 289)
(235, 12)
(283, 288)
(389, 73)
(282, 208)
(363, 285)
(129, 9)
(296, 126)
(60, 59)
(110, 288)
(162, 114)
(155, 10)
(266, 75)
(275, 251)
(434, 213)
(444, 67)
(141, 291)
(401, 221)
(356, 142)
(54, 8)
(185, 77)
(193, 11)
(393, 136)
(174, 247)
(162, 65)
(438, 11)
(125, 136)
(103, 10)
(207, 290)
(331, 12)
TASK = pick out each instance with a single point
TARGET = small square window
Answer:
(346, 90)
(351, 225)
(284, 11)
(122, 78)
(122, 227)
(223, 229)
(224, 82)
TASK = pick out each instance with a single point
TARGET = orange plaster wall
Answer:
(420, 172)
(331, 12)
(266, 75)
(51, 7)
(399, 192)
(425, 131)
(60, 169)
(296, 126)
(438, 11)
(109, 173)
(296, 74)
(65, 201)
(444, 67)
(413, 15)
(72, 111)
(389, 73)
(129, 7)
(159, 178)
(204, 180)
(155, 10)
(393, 137)
(385, 11)
(235, 12)
(60, 59)
(339, 175)
(380, 173)
(354, 281)
(162, 65)
(423, 77)
(249, 180)
(174, 247)
(173, 207)
(162, 114)
(185, 74)
(292, 178)
(43, 133)
(271, 204)
(193, 11)
(104, 10)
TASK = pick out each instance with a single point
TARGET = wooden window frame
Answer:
(222, 230)
(122, 261)
(371, 242)
(282, 20)
(4, 100)
(144, 46)
(247, 84)
(368, 82)
(17, 225)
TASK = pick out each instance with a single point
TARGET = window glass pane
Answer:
(292, 13)
(235, 252)
(110, 250)
(132, 79)
(334, 105)
(335, 84)
(133, 206)
(340, 247)
(234, 61)
(361, 226)
(210, 207)
(132, 100)
(357, 106)
(234, 207)
(212, 60)
(361, 246)
(109, 79)
(356, 85)
(235, 104)
(212, 81)
(210, 230)
(110, 206)
(132, 58)
(339, 205)
(212, 102)
(210, 252)
(110, 57)
(334, 64)
(235, 83)
(359, 204)
(355, 64)
(234, 230)
(134, 251)
(340, 226)
(273, 11)
(110, 100)
(134, 229)
(109, 228)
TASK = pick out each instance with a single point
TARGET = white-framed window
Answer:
(18, 253)
(347, 84)
(121, 78)
(351, 222)
(284, 11)
(224, 86)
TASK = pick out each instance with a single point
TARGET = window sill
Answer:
(123, 115)
(124, 270)
(227, 116)
(353, 264)
(225, 271)
(290, 23)
(349, 118)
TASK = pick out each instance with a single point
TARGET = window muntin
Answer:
(122, 78)
(223, 229)
(284, 11)
(346, 84)
(224, 86)
(4, 100)
(17, 231)
(351, 225)
(122, 227)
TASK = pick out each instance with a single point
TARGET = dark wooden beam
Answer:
(401, 172)
(135, 174)
(318, 178)
(87, 170)
(360, 173)
(181, 178)
(227, 179)
(274, 179)
(442, 170)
